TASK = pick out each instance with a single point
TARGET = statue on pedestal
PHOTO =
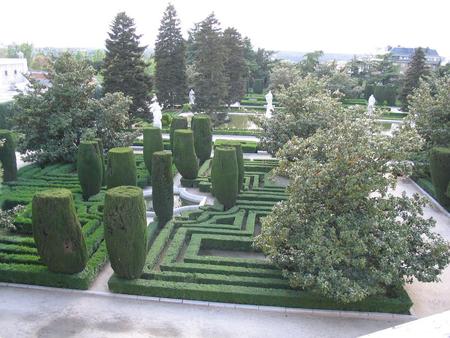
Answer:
(155, 108)
(269, 105)
(371, 105)
(191, 97)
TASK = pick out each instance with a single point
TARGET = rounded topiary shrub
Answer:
(57, 231)
(89, 168)
(162, 184)
(201, 127)
(102, 158)
(125, 224)
(225, 175)
(440, 174)
(121, 169)
(178, 122)
(184, 153)
(8, 155)
(152, 142)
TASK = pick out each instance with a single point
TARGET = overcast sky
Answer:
(341, 26)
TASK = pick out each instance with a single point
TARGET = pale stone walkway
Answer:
(429, 298)
(61, 314)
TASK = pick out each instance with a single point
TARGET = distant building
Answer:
(402, 56)
(12, 79)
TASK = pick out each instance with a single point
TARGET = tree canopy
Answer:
(170, 58)
(124, 66)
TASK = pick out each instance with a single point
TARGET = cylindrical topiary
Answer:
(162, 186)
(8, 155)
(121, 169)
(89, 168)
(225, 175)
(152, 142)
(178, 122)
(125, 224)
(440, 174)
(102, 158)
(57, 231)
(184, 153)
(201, 126)
(240, 161)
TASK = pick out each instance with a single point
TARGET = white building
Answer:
(12, 79)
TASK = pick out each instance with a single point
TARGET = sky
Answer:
(334, 26)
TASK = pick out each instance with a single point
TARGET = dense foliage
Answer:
(209, 57)
(308, 105)
(416, 70)
(430, 110)
(170, 72)
(124, 66)
(236, 69)
(53, 120)
(340, 232)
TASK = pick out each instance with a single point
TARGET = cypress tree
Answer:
(89, 168)
(416, 70)
(236, 69)
(170, 71)
(201, 127)
(178, 122)
(210, 80)
(124, 66)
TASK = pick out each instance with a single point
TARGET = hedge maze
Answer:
(19, 261)
(186, 258)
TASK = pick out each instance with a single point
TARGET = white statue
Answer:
(191, 97)
(155, 108)
(371, 105)
(269, 105)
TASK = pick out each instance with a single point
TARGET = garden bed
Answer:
(177, 268)
(19, 261)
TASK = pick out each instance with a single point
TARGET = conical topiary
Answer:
(201, 127)
(57, 231)
(8, 155)
(89, 168)
(152, 142)
(162, 184)
(225, 175)
(121, 169)
(184, 153)
(178, 122)
(125, 224)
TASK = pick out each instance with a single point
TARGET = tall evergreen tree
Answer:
(170, 58)
(124, 66)
(236, 69)
(416, 69)
(210, 79)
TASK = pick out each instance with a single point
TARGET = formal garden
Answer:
(296, 206)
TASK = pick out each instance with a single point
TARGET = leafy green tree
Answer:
(283, 74)
(210, 79)
(416, 70)
(334, 235)
(170, 58)
(308, 104)
(236, 69)
(124, 66)
(310, 62)
(111, 121)
(53, 120)
(429, 105)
